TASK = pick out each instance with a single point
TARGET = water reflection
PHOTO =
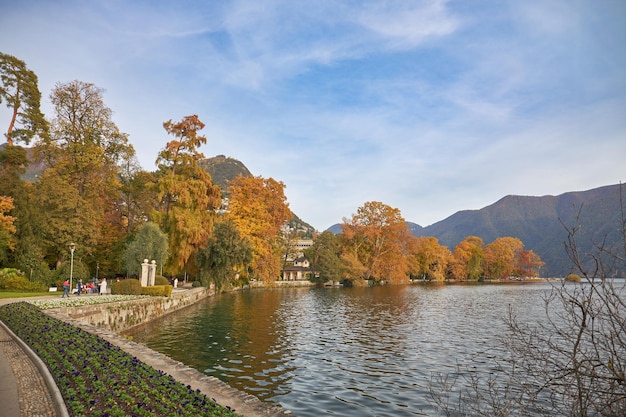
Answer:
(348, 352)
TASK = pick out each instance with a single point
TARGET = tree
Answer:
(528, 264)
(325, 257)
(7, 228)
(80, 187)
(149, 243)
(501, 257)
(467, 259)
(258, 208)
(377, 236)
(20, 91)
(187, 196)
(576, 362)
(428, 258)
(225, 258)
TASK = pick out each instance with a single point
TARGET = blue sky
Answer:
(428, 106)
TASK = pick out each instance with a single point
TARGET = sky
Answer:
(430, 107)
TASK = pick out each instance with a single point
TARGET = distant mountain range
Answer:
(540, 222)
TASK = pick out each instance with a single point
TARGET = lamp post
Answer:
(72, 248)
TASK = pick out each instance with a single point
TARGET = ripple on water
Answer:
(345, 352)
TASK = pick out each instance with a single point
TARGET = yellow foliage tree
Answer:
(467, 259)
(428, 259)
(7, 228)
(501, 257)
(258, 208)
(377, 236)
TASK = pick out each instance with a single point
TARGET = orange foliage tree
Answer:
(258, 208)
(501, 257)
(428, 259)
(467, 259)
(377, 237)
(187, 195)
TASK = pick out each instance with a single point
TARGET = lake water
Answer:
(344, 351)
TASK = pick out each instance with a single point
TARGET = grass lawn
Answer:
(17, 294)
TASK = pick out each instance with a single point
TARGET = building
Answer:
(300, 271)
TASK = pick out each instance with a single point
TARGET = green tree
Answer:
(325, 257)
(19, 89)
(225, 257)
(149, 243)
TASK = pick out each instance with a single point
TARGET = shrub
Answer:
(13, 279)
(157, 290)
(126, 287)
(161, 280)
(573, 278)
(196, 284)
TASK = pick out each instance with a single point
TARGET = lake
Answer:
(344, 351)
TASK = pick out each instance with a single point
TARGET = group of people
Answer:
(94, 287)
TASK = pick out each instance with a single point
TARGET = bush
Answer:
(573, 278)
(13, 279)
(157, 290)
(196, 284)
(161, 280)
(126, 287)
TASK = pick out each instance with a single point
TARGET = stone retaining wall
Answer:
(123, 315)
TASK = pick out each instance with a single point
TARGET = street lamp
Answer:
(72, 248)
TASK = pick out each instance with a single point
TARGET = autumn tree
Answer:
(19, 89)
(258, 208)
(377, 236)
(428, 259)
(225, 257)
(7, 228)
(528, 264)
(501, 257)
(186, 193)
(467, 259)
(80, 189)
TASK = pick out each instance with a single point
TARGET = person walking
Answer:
(66, 289)
(79, 286)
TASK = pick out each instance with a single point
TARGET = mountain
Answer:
(223, 169)
(539, 222)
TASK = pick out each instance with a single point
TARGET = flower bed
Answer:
(97, 378)
(83, 300)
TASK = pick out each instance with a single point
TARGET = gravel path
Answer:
(34, 397)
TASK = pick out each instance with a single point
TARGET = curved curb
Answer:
(59, 404)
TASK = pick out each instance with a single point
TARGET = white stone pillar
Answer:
(144, 273)
(152, 273)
